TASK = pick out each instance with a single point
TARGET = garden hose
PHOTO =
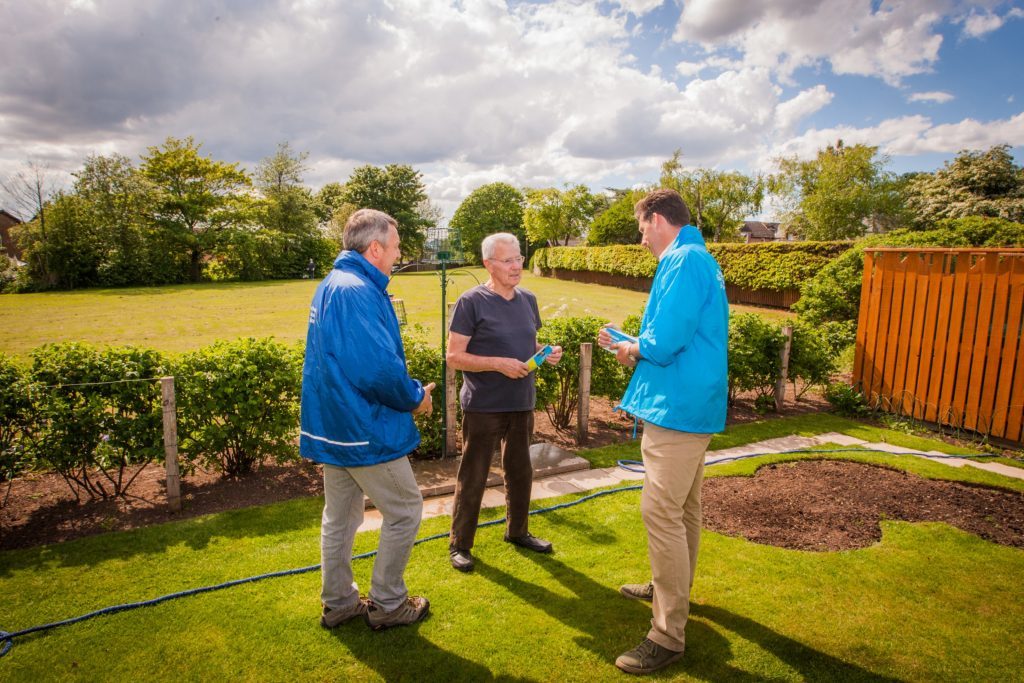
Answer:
(7, 638)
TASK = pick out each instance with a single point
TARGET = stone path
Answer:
(558, 472)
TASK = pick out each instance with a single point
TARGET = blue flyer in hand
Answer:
(618, 336)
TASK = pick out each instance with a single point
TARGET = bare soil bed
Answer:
(825, 505)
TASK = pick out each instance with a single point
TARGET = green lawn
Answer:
(929, 602)
(184, 317)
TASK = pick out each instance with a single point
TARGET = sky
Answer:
(533, 93)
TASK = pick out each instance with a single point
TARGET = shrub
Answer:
(15, 421)
(846, 400)
(812, 357)
(754, 355)
(558, 386)
(424, 364)
(98, 414)
(774, 265)
(238, 404)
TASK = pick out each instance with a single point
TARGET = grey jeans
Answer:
(392, 488)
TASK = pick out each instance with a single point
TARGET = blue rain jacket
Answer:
(681, 381)
(357, 396)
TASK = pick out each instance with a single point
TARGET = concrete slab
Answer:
(555, 486)
(493, 497)
(787, 443)
(838, 439)
(889, 448)
(998, 468)
(372, 521)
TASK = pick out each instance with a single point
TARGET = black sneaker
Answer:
(647, 657)
(461, 559)
(530, 542)
(638, 591)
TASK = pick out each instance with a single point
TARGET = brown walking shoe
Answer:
(530, 542)
(340, 615)
(638, 591)
(647, 657)
(409, 612)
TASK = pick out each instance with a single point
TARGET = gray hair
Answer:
(491, 241)
(366, 226)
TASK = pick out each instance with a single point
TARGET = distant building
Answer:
(7, 243)
(760, 231)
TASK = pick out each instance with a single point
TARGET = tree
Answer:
(330, 197)
(838, 193)
(28, 192)
(398, 191)
(617, 224)
(496, 207)
(975, 183)
(118, 199)
(67, 255)
(552, 214)
(198, 199)
(719, 201)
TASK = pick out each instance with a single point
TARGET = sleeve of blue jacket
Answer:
(673, 312)
(375, 363)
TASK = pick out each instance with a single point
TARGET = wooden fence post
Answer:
(583, 407)
(171, 444)
(451, 396)
(780, 384)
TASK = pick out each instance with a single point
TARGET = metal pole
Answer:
(444, 361)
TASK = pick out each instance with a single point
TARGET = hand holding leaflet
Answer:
(536, 359)
(618, 336)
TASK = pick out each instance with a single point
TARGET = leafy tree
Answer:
(617, 224)
(718, 200)
(328, 200)
(29, 191)
(66, 255)
(552, 215)
(198, 200)
(118, 199)
(398, 190)
(834, 195)
(974, 184)
(496, 207)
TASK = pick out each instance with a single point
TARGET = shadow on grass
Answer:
(607, 619)
(402, 654)
(196, 534)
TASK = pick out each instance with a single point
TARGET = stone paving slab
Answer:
(998, 468)
(838, 439)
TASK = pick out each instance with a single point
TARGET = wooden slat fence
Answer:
(941, 337)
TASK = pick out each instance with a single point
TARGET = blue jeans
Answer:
(392, 488)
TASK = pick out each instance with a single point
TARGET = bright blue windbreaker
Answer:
(681, 381)
(357, 396)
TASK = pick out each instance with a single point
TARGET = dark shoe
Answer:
(530, 542)
(638, 591)
(409, 612)
(336, 617)
(646, 658)
(461, 559)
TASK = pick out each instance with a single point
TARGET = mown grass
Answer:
(185, 317)
(928, 602)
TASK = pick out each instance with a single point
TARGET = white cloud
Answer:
(977, 25)
(936, 96)
(802, 105)
(640, 7)
(909, 135)
(892, 41)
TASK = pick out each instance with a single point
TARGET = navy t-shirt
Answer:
(497, 327)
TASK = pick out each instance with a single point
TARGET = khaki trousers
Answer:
(670, 507)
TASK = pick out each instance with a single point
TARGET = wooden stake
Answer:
(171, 444)
(583, 407)
(780, 384)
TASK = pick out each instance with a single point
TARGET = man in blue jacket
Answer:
(679, 389)
(357, 406)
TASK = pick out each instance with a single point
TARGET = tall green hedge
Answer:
(770, 265)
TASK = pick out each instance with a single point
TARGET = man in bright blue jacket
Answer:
(357, 407)
(679, 389)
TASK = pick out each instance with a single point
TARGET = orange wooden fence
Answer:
(941, 337)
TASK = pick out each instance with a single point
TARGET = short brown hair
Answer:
(666, 202)
(364, 227)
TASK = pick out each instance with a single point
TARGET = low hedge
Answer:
(771, 265)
